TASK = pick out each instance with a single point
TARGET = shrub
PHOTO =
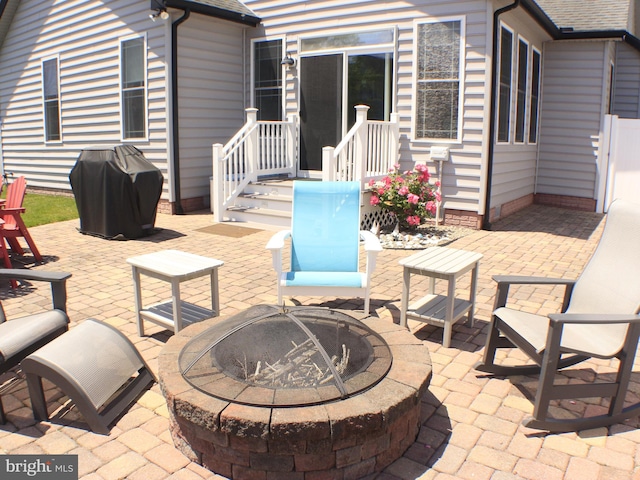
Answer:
(409, 197)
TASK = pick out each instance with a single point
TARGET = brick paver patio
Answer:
(471, 423)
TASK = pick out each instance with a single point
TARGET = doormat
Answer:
(227, 230)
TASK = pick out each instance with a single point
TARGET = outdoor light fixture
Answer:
(288, 61)
(163, 14)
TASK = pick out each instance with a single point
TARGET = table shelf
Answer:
(162, 313)
(433, 309)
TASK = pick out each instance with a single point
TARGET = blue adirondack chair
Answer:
(325, 243)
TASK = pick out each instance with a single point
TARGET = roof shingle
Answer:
(589, 15)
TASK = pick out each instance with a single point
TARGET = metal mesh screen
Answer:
(322, 354)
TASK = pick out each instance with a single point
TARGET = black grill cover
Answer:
(117, 191)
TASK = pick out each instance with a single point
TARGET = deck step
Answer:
(266, 203)
(264, 218)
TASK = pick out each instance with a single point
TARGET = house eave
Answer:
(210, 10)
(539, 15)
(621, 35)
(563, 33)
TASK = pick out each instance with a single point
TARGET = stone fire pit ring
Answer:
(346, 438)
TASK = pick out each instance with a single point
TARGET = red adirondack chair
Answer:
(5, 254)
(11, 214)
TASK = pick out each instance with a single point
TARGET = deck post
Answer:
(360, 145)
(394, 144)
(253, 140)
(292, 144)
(328, 164)
(217, 193)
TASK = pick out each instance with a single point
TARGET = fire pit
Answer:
(303, 391)
(259, 356)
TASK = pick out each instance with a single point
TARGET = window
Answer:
(133, 88)
(504, 89)
(535, 96)
(612, 78)
(354, 39)
(267, 71)
(438, 87)
(521, 92)
(51, 100)
(369, 82)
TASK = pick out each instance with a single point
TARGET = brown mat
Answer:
(227, 230)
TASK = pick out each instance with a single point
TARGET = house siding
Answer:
(574, 98)
(514, 164)
(85, 36)
(462, 186)
(214, 90)
(211, 84)
(626, 101)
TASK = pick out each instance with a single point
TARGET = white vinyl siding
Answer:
(573, 99)
(211, 98)
(626, 98)
(462, 184)
(86, 38)
(51, 99)
(133, 87)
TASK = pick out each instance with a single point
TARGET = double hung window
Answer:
(51, 100)
(535, 96)
(133, 88)
(267, 71)
(518, 90)
(504, 88)
(440, 53)
(521, 91)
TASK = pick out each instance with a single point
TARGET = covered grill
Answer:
(116, 190)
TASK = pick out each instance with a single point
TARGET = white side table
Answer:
(174, 266)
(439, 310)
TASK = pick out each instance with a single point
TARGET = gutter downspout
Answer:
(174, 114)
(486, 224)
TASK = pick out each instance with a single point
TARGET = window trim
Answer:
(145, 88)
(497, 140)
(461, 77)
(44, 100)
(252, 95)
(527, 92)
(537, 51)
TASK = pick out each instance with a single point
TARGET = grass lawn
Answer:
(42, 209)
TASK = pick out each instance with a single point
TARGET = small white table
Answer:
(439, 310)
(174, 266)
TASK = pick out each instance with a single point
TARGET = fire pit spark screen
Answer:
(323, 354)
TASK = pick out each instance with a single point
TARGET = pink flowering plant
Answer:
(409, 197)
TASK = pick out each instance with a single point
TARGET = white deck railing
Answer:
(263, 148)
(368, 150)
(260, 148)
